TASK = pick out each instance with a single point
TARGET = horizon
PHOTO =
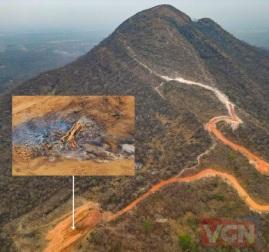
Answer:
(31, 16)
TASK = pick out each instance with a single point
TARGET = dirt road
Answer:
(62, 237)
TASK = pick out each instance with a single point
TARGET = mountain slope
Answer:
(168, 41)
(170, 131)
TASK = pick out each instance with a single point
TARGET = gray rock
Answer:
(128, 148)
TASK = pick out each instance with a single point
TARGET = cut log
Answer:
(69, 137)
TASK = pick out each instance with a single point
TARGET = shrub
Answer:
(184, 242)
(148, 226)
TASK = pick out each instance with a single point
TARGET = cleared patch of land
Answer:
(78, 135)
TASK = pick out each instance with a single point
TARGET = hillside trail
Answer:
(88, 216)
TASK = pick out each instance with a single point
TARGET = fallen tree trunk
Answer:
(69, 137)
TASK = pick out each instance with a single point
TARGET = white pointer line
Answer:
(73, 202)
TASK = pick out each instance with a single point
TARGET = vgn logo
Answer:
(218, 232)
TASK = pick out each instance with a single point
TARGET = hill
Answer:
(181, 73)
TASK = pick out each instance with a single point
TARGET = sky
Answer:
(94, 15)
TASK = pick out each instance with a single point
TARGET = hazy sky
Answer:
(28, 15)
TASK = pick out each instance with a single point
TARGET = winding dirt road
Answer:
(63, 238)
(261, 165)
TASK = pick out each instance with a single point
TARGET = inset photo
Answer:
(73, 136)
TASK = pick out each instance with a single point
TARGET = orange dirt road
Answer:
(63, 238)
(261, 165)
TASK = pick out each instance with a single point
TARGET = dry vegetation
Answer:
(169, 136)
